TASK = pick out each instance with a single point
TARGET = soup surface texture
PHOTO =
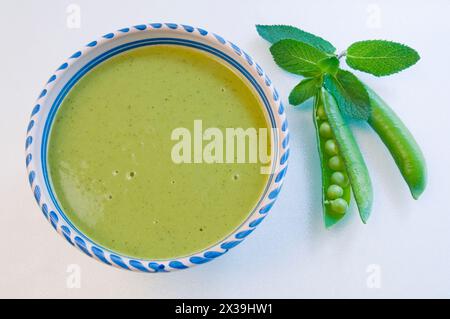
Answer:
(110, 161)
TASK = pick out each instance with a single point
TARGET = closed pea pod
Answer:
(400, 143)
(351, 155)
(336, 192)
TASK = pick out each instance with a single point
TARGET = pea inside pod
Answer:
(349, 156)
(336, 191)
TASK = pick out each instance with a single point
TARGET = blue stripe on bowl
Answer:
(199, 260)
(266, 208)
(66, 234)
(280, 175)
(138, 265)
(37, 194)
(235, 48)
(75, 55)
(82, 245)
(256, 222)
(214, 254)
(100, 255)
(244, 233)
(156, 25)
(36, 109)
(54, 219)
(92, 44)
(30, 126)
(285, 142)
(52, 78)
(140, 27)
(188, 28)
(63, 66)
(177, 264)
(230, 244)
(31, 177)
(44, 210)
(118, 261)
(28, 159)
(202, 32)
(259, 69)
(172, 25)
(281, 108)
(43, 93)
(219, 38)
(274, 194)
(28, 142)
(109, 36)
(157, 267)
(284, 126)
(284, 157)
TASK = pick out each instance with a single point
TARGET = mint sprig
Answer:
(380, 57)
(329, 65)
(350, 94)
(313, 57)
(275, 33)
(306, 89)
(297, 57)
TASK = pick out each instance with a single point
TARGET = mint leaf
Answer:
(380, 57)
(350, 94)
(306, 89)
(329, 65)
(297, 57)
(275, 33)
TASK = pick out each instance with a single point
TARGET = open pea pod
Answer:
(351, 155)
(400, 143)
(336, 190)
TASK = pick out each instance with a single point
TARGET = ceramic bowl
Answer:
(114, 43)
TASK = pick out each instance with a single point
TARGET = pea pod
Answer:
(336, 191)
(400, 143)
(352, 157)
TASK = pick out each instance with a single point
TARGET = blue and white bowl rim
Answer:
(37, 133)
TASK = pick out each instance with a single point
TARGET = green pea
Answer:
(321, 113)
(334, 191)
(331, 147)
(325, 130)
(336, 163)
(339, 206)
(328, 148)
(339, 178)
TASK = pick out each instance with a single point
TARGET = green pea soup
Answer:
(109, 153)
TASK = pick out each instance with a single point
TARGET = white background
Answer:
(406, 244)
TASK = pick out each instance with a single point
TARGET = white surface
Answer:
(291, 254)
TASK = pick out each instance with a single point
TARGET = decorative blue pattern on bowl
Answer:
(151, 34)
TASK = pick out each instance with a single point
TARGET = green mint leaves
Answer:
(275, 33)
(380, 57)
(329, 65)
(306, 89)
(303, 53)
(350, 94)
(297, 57)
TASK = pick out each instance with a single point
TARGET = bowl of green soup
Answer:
(157, 147)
